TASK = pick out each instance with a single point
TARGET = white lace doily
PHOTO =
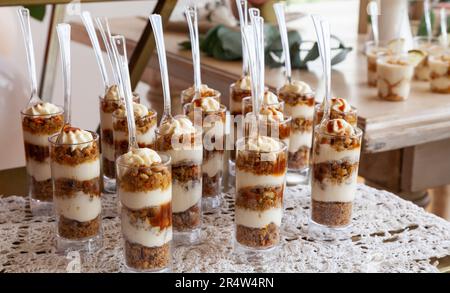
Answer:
(388, 235)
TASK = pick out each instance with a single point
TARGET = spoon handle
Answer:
(89, 25)
(63, 30)
(191, 17)
(119, 47)
(426, 11)
(155, 20)
(372, 8)
(443, 15)
(24, 17)
(327, 59)
(242, 7)
(279, 12)
(105, 32)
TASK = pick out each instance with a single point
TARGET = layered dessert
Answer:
(337, 146)
(299, 103)
(269, 99)
(261, 166)
(213, 116)
(109, 103)
(179, 139)
(339, 109)
(395, 73)
(75, 165)
(144, 186)
(39, 122)
(145, 121)
(428, 47)
(188, 94)
(440, 73)
(372, 53)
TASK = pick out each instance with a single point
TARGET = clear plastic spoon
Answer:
(89, 25)
(242, 7)
(318, 29)
(105, 32)
(281, 19)
(427, 13)
(63, 31)
(24, 17)
(120, 51)
(372, 9)
(326, 39)
(156, 22)
(191, 17)
(443, 16)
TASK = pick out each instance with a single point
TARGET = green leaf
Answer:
(422, 30)
(339, 57)
(37, 11)
(185, 45)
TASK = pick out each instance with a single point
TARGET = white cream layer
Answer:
(297, 111)
(394, 74)
(106, 120)
(213, 165)
(80, 172)
(300, 139)
(108, 152)
(191, 155)
(185, 195)
(422, 72)
(36, 139)
(247, 179)
(80, 207)
(328, 153)
(39, 170)
(145, 138)
(440, 83)
(143, 233)
(258, 219)
(331, 192)
(141, 200)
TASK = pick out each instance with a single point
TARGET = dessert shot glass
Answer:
(76, 178)
(109, 103)
(300, 106)
(440, 73)
(247, 106)
(429, 47)
(372, 53)
(145, 131)
(213, 136)
(335, 164)
(340, 109)
(186, 154)
(395, 74)
(188, 94)
(146, 218)
(37, 128)
(260, 183)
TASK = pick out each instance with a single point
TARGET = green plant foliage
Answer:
(422, 29)
(37, 11)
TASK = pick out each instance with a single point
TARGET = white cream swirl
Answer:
(78, 138)
(263, 144)
(338, 127)
(340, 105)
(112, 93)
(271, 113)
(244, 83)
(296, 87)
(270, 98)
(42, 108)
(208, 104)
(138, 109)
(178, 125)
(140, 157)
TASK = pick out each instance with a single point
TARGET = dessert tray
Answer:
(388, 234)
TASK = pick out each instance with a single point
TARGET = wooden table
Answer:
(406, 144)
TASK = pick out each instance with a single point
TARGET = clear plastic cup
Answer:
(440, 73)
(395, 73)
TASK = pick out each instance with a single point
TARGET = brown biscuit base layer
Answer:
(36, 152)
(211, 185)
(187, 220)
(295, 99)
(109, 168)
(299, 159)
(350, 117)
(41, 190)
(68, 187)
(72, 229)
(336, 172)
(146, 258)
(46, 124)
(260, 198)
(107, 136)
(258, 238)
(332, 214)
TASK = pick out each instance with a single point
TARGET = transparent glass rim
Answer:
(188, 106)
(426, 39)
(136, 97)
(286, 119)
(402, 57)
(282, 103)
(166, 160)
(358, 133)
(242, 140)
(217, 94)
(311, 94)
(151, 113)
(52, 139)
(60, 112)
(352, 110)
(158, 130)
(433, 58)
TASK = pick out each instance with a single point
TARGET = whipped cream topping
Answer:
(203, 88)
(178, 125)
(340, 105)
(263, 144)
(140, 157)
(112, 93)
(208, 104)
(139, 110)
(296, 87)
(244, 83)
(272, 113)
(269, 98)
(42, 108)
(76, 137)
(338, 126)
